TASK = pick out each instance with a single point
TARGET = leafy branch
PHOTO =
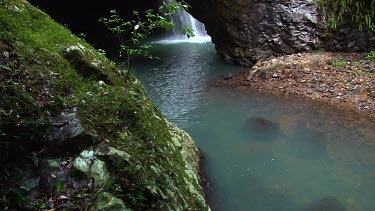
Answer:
(132, 33)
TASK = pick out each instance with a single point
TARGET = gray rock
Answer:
(67, 134)
(25, 177)
(46, 176)
(94, 168)
(51, 174)
(108, 202)
(275, 75)
(228, 77)
(66, 126)
(117, 157)
(99, 172)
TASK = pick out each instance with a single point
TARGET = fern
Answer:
(361, 12)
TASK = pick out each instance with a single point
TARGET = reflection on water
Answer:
(264, 152)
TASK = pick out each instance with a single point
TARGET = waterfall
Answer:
(184, 18)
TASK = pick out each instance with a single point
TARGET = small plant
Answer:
(101, 52)
(361, 12)
(131, 34)
(339, 63)
(371, 55)
(5, 3)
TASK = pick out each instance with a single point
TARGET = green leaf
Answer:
(59, 186)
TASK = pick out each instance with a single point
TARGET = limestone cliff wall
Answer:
(245, 31)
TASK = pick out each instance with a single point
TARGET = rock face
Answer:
(246, 31)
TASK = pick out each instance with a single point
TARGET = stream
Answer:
(262, 152)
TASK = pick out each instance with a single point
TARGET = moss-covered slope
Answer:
(45, 70)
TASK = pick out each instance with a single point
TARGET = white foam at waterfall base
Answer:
(184, 39)
(176, 36)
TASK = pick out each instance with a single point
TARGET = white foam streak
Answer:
(195, 39)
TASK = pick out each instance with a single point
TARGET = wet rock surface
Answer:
(245, 32)
(344, 79)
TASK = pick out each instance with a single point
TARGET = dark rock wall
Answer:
(245, 31)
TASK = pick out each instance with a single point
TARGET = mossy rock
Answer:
(108, 202)
(85, 64)
(54, 71)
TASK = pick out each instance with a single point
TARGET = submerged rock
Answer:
(324, 204)
(259, 123)
(261, 129)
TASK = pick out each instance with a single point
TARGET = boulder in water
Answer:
(324, 204)
(262, 129)
(259, 123)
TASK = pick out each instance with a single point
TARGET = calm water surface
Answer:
(263, 152)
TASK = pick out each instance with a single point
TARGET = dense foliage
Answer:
(361, 12)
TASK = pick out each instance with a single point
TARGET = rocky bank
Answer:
(75, 134)
(343, 79)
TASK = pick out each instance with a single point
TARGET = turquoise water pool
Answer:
(263, 152)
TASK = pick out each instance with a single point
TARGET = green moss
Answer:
(371, 55)
(44, 69)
